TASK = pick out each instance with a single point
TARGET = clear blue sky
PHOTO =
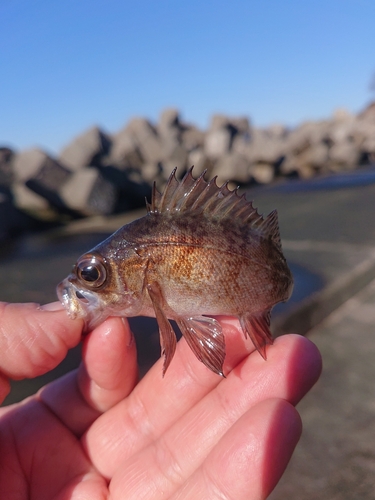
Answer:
(68, 64)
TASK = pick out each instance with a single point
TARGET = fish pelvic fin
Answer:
(205, 337)
(167, 335)
(257, 327)
(196, 196)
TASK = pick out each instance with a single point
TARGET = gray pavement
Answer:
(335, 459)
(328, 234)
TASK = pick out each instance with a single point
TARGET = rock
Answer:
(306, 149)
(241, 125)
(263, 173)
(6, 166)
(341, 130)
(361, 131)
(218, 122)
(368, 113)
(289, 166)
(125, 165)
(199, 160)
(35, 165)
(125, 153)
(27, 200)
(262, 148)
(169, 130)
(177, 140)
(136, 144)
(130, 185)
(368, 150)
(42, 174)
(295, 166)
(350, 142)
(192, 138)
(306, 164)
(88, 193)
(233, 167)
(277, 131)
(301, 138)
(342, 114)
(146, 139)
(217, 143)
(151, 172)
(12, 220)
(316, 156)
(343, 156)
(222, 134)
(169, 119)
(177, 158)
(242, 144)
(219, 138)
(86, 149)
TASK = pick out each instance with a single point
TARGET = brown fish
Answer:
(201, 251)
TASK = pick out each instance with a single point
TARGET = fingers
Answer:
(33, 340)
(40, 458)
(107, 374)
(157, 402)
(251, 457)
(109, 371)
(191, 415)
(246, 463)
(174, 456)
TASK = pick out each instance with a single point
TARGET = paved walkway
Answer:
(335, 459)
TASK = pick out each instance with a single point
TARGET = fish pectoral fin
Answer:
(167, 334)
(206, 339)
(257, 327)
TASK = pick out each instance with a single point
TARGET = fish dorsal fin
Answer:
(196, 196)
(270, 227)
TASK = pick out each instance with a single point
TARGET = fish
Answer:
(201, 251)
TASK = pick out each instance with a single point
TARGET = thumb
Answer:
(34, 339)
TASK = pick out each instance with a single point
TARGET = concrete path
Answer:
(335, 459)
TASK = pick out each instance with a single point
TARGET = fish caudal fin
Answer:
(167, 334)
(206, 339)
(257, 327)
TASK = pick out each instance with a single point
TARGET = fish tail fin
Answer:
(257, 327)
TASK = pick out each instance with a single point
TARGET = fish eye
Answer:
(91, 271)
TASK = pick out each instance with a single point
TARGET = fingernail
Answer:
(52, 306)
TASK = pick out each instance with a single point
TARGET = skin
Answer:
(98, 433)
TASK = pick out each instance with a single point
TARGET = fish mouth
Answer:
(74, 298)
(80, 303)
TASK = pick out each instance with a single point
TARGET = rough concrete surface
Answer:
(335, 459)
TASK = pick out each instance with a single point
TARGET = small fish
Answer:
(201, 251)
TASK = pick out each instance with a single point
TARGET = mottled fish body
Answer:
(201, 251)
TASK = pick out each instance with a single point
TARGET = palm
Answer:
(97, 434)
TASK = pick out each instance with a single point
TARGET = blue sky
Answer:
(67, 65)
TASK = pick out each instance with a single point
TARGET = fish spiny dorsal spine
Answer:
(196, 196)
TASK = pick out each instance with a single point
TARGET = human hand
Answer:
(97, 434)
